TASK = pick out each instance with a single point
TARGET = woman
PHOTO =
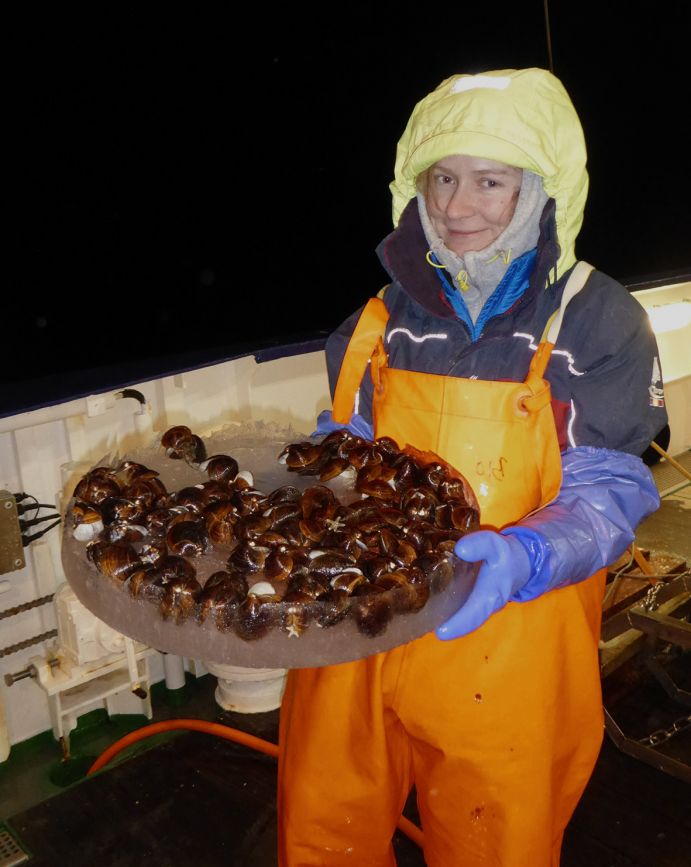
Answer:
(534, 377)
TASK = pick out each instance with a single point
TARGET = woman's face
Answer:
(470, 200)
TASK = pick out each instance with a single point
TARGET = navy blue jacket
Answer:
(604, 371)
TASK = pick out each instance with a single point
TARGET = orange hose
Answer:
(198, 725)
(227, 733)
(410, 830)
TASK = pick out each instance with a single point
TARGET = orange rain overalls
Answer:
(498, 730)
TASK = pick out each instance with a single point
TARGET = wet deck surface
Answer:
(198, 800)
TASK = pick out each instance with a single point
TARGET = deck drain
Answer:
(10, 851)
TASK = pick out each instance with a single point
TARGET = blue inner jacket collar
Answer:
(513, 284)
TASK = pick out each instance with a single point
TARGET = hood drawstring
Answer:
(504, 255)
(461, 278)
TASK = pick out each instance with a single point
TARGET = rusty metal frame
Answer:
(644, 753)
(655, 628)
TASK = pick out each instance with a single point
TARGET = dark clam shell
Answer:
(328, 565)
(188, 538)
(153, 552)
(284, 494)
(217, 491)
(115, 559)
(172, 567)
(128, 471)
(313, 528)
(181, 444)
(419, 504)
(300, 455)
(332, 468)
(348, 581)
(278, 565)
(333, 608)
(297, 612)
(306, 585)
(122, 531)
(147, 583)
(193, 498)
(148, 492)
(179, 599)
(176, 436)
(256, 616)
(222, 468)
(85, 513)
(271, 539)
(372, 609)
(248, 558)
(95, 488)
(284, 511)
(318, 500)
(121, 509)
(221, 597)
(248, 500)
(220, 519)
(157, 520)
(250, 527)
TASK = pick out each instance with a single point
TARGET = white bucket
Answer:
(248, 690)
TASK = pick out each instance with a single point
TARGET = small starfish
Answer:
(336, 524)
(293, 627)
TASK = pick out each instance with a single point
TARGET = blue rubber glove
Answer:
(604, 496)
(506, 569)
(356, 425)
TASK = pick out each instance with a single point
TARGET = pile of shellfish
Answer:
(293, 559)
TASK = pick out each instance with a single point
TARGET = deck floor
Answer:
(198, 800)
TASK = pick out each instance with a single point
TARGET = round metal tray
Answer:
(140, 619)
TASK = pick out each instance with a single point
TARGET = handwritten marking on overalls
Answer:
(494, 468)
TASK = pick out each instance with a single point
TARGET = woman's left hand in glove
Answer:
(604, 495)
(506, 568)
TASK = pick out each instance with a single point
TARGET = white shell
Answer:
(87, 532)
(247, 476)
(262, 588)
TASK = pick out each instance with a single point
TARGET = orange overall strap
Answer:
(540, 360)
(369, 329)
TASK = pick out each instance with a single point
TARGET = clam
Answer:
(148, 492)
(278, 565)
(188, 538)
(256, 615)
(221, 468)
(220, 519)
(220, 597)
(115, 559)
(372, 609)
(248, 557)
(179, 598)
(181, 444)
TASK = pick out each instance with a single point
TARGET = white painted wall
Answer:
(669, 309)
(45, 452)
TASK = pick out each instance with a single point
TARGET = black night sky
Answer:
(192, 185)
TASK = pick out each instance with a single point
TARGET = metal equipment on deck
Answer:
(646, 627)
